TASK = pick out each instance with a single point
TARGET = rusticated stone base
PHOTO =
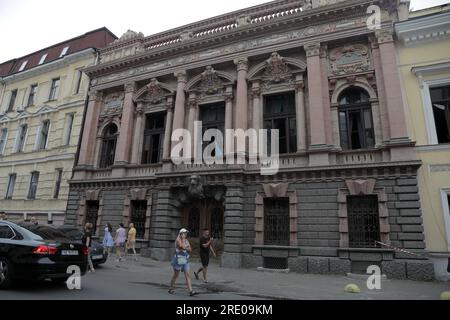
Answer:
(299, 265)
(231, 260)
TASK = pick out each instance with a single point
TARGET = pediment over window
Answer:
(45, 109)
(210, 82)
(154, 92)
(277, 69)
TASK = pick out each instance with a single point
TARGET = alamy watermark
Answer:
(74, 281)
(237, 147)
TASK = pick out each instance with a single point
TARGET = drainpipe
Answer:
(2, 91)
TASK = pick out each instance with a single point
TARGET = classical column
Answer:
(178, 121)
(241, 94)
(325, 93)
(380, 89)
(229, 108)
(300, 114)
(168, 130)
(137, 138)
(126, 126)
(193, 116)
(316, 108)
(393, 89)
(256, 95)
(87, 148)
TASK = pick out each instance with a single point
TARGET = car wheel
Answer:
(6, 271)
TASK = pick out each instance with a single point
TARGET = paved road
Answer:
(148, 279)
(121, 281)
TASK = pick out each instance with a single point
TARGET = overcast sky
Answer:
(30, 25)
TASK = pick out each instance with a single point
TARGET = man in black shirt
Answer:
(205, 246)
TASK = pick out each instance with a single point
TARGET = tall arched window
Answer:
(355, 120)
(108, 150)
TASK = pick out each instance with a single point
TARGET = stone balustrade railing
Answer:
(249, 16)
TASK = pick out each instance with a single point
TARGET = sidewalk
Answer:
(273, 285)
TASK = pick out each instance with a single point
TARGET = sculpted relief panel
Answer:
(350, 59)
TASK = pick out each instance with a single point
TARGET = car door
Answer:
(9, 242)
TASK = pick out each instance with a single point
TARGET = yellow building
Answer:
(42, 101)
(424, 58)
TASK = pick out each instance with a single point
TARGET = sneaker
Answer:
(193, 293)
(196, 275)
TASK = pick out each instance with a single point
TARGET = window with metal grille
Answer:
(440, 98)
(275, 263)
(194, 223)
(217, 223)
(92, 214)
(276, 221)
(139, 217)
(33, 185)
(279, 113)
(154, 138)
(212, 116)
(355, 120)
(363, 221)
(108, 151)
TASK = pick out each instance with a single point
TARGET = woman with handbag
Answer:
(180, 262)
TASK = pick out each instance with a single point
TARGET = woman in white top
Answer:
(119, 241)
(180, 262)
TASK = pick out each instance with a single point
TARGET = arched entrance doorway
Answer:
(201, 214)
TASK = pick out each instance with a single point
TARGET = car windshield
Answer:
(47, 233)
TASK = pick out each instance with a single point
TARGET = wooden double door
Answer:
(201, 214)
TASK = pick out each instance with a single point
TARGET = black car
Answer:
(97, 252)
(37, 253)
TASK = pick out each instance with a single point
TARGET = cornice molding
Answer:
(329, 12)
(424, 29)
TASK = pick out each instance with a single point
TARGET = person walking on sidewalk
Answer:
(87, 241)
(205, 246)
(131, 241)
(180, 262)
(119, 241)
(108, 241)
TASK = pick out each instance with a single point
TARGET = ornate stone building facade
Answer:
(346, 192)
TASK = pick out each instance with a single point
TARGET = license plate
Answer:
(69, 252)
(97, 257)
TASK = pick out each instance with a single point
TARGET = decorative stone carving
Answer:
(195, 188)
(276, 69)
(242, 64)
(113, 104)
(210, 83)
(360, 187)
(349, 59)
(155, 93)
(186, 35)
(384, 36)
(278, 190)
(312, 49)
(95, 96)
(130, 34)
(243, 20)
(130, 87)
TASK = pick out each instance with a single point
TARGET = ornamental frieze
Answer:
(349, 59)
(276, 69)
(243, 46)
